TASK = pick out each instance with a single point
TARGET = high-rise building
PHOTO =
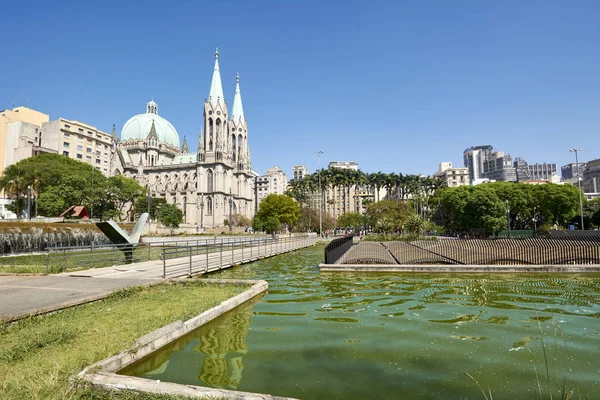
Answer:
(79, 141)
(522, 169)
(24, 140)
(591, 177)
(273, 182)
(342, 199)
(572, 170)
(300, 171)
(543, 171)
(18, 114)
(453, 176)
(474, 160)
(485, 163)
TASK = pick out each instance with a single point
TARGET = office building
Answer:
(572, 170)
(300, 171)
(273, 182)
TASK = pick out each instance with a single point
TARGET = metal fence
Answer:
(532, 251)
(337, 248)
(197, 259)
(73, 258)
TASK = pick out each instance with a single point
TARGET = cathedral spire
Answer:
(184, 147)
(114, 134)
(216, 89)
(153, 133)
(237, 112)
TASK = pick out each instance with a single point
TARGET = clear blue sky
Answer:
(396, 86)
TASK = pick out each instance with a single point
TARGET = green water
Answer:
(379, 336)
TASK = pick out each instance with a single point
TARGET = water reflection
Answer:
(220, 346)
(324, 335)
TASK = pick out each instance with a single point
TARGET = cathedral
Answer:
(201, 184)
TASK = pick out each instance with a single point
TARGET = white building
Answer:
(453, 176)
(273, 182)
(300, 172)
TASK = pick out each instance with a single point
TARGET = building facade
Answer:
(273, 182)
(543, 171)
(483, 162)
(81, 142)
(454, 177)
(572, 170)
(591, 177)
(18, 114)
(203, 183)
(300, 171)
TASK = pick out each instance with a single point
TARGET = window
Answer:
(209, 206)
(98, 153)
(66, 153)
(97, 161)
(90, 140)
(66, 144)
(67, 126)
(65, 134)
(89, 149)
(209, 181)
(80, 129)
(79, 147)
(79, 156)
(90, 133)
(88, 158)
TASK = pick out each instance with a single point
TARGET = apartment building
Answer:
(454, 177)
(79, 141)
(300, 172)
(273, 182)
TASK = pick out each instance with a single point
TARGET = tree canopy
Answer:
(58, 182)
(276, 206)
(170, 216)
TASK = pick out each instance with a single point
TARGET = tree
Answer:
(353, 219)
(122, 192)
(140, 206)
(240, 220)
(280, 206)
(170, 216)
(388, 216)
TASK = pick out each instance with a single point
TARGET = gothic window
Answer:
(239, 149)
(209, 181)
(218, 126)
(209, 206)
(233, 146)
(184, 209)
(210, 133)
(210, 145)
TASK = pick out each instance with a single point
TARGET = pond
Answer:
(377, 336)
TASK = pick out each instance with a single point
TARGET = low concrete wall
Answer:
(458, 268)
(104, 373)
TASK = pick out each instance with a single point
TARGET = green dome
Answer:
(138, 127)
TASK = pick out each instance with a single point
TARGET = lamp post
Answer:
(507, 219)
(230, 210)
(318, 153)
(201, 212)
(29, 202)
(576, 151)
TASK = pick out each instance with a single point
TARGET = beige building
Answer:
(34, 118)
(453, 176)
(300, 171)
(79, 141)
(273, 182)
(341, 200)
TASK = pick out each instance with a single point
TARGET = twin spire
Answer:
(216, 92)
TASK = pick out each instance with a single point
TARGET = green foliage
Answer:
(170, 216)
(140, 206)
(414, 225)
(240, 220)
(388, 216)
(401, 238)
(58, 182)
(281, 207)
(353, 219)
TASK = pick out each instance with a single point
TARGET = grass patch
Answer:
(39, 354)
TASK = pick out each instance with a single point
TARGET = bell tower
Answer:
(215, 118)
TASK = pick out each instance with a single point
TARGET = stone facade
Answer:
(201, 184)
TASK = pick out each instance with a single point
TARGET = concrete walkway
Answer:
(22, 296)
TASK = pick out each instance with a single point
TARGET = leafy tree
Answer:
(414, 225)
(140, 206)
(388, 216)
(170, 216)
(353, 219)
(240, 220)
(122, 192)
(282, 207)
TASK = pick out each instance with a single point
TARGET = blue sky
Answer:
(394, 85)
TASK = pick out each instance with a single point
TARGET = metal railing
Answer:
(73, 258)
(531, 251)
(337, 248)
(203, 258)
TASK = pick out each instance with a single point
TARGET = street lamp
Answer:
(230, 210)
(29, 202)
(318, 153)
(576, 151)
(507, 219)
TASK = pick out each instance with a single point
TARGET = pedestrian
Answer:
(196, 227)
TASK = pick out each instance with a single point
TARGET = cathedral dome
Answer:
(138, 127)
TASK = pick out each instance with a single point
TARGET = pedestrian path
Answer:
(28, 295)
